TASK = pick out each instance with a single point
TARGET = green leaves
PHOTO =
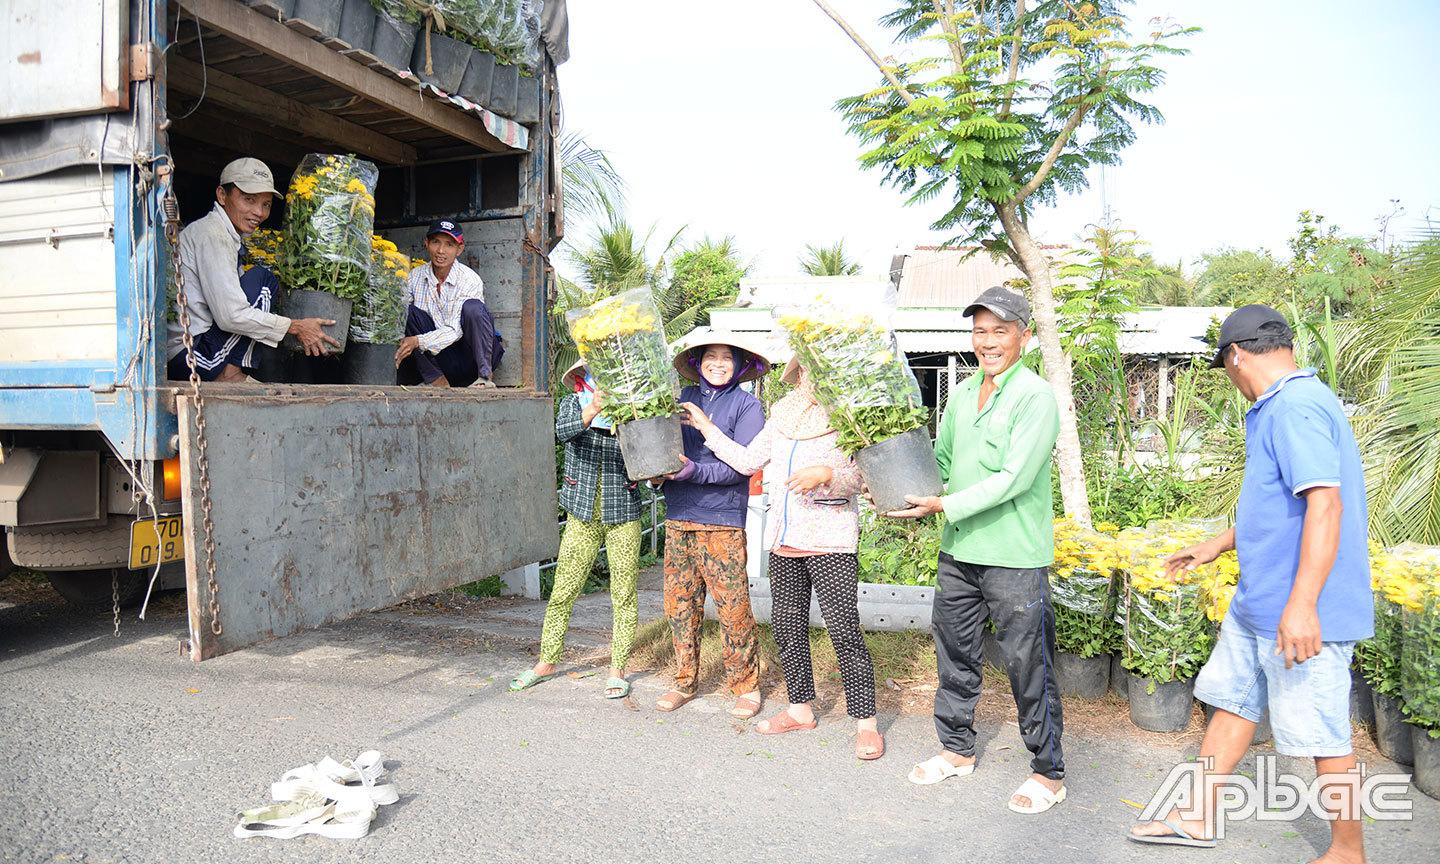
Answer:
(898, 551)
(329, 217)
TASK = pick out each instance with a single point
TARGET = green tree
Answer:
(1167, 285)
(1015, 104)
(593, 188)
(704, 276)
(1235, 277)
(828, 261)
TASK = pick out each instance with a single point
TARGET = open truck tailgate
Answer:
(330, 501)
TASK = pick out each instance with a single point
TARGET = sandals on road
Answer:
(527, 679)
(745, 707)
(1178, 836)
(938, 768)
(619, 685)
(781, 723)
(672, 700)
(1041, 798)
(869, 745)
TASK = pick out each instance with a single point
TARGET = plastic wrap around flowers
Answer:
(1168, 621)
(623, 344)
(379, 315)
(329, 217)
(1082, 588)
(858, 374)
(1402, 660)
(262, 248)
(509, 29)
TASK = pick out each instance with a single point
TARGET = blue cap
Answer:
(449, 228)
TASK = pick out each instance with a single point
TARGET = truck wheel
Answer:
(89, 590)
(6, 565)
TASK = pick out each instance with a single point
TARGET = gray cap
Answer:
(1246, 325)
(249, 175)
(1006, 304)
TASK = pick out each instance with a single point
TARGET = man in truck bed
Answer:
(450, 337)
(230, 310)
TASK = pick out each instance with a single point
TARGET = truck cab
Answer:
(299, 501)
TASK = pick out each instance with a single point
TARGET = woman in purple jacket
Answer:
(705, 505)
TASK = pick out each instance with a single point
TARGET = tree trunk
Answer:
(1031, 260)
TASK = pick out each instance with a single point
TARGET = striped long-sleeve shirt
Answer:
(443, 300)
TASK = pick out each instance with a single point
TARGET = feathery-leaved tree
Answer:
(593, 188)
(1012, 107)
(828, 261)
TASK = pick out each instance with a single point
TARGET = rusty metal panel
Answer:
(329, 501)
(494, 248)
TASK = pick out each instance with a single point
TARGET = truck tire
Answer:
(90, 590)
(58, 547)
(6, 565)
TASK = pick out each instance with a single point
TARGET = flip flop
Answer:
(1178, 837)
(938, 768)
(868, 740)
(745, 708)
(1041, 798)
(672, 700)
(527, 679)
(781, 723)
(617, 684)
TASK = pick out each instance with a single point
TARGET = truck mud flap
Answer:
(331, 501)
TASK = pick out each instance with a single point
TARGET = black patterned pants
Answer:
(833, 578)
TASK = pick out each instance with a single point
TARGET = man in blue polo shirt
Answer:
(1304, 596)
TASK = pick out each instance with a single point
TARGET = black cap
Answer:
(1245, 325)
(449, 228)
(1006, 304)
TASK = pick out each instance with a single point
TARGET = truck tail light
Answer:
(170, 479)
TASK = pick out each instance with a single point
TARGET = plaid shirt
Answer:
(592, 456)
(444, 302)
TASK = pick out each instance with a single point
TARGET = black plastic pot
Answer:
(527, 100)
(323, 15)
(1166, 709)
(1086, 677)
(652, 447)
(394, 41)
(369, 363)
(273, 8)
(1362, 700)
(1426, 775)
(357, 24)
(448, 59)
(504, 90)
(272, 365)
(1392, 733)
(900, 466)
(475, 86)
(1119, 678)
(318, 304)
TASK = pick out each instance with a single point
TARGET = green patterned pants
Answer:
(578, 547)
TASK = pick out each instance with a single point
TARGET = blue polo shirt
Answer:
(1297, 438)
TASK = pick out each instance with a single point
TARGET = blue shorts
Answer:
(1309, 703)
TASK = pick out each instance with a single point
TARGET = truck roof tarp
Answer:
(36, 147)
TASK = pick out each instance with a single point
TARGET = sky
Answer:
(722, 123)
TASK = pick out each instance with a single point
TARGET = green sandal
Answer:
(528, 679)
(617, 684)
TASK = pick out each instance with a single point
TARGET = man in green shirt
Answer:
(994, 448)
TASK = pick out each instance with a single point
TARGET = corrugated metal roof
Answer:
(954, 277)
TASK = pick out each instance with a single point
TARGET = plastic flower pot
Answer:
(1362, 700)
(1426, 775)
(475, 86)
(448, 59)
(900, 466)
(318, 304)
(368, 363)
(1392, 733)
(1119, 678)
(272, 365)
(1086, 677)
(394, 41)
(651, 447)
(527, 104)
(357, 24)
(323, 15)
(1166, 708)
(504, 90)
(273, 8)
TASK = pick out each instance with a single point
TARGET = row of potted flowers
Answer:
(484, 51)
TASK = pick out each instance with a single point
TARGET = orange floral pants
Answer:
(701, 559)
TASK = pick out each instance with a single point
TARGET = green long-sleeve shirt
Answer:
(996, 466)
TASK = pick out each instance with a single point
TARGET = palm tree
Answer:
(593, 188)
(828, 261)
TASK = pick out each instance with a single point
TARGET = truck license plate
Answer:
(156, 541)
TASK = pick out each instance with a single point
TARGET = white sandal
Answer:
(936, 769)
(1041, 798)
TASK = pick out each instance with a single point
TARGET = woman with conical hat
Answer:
(705, 504)
(602, 507)
(812, 534)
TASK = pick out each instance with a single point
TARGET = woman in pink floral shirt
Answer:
(812, 536)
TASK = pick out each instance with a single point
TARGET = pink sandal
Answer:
(782, 723)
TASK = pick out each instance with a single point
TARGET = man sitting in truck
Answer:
(230, 309)
(450, 337)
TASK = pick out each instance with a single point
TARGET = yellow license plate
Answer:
(156, 541)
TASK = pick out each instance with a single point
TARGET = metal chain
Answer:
(115, 597)
(202, 461)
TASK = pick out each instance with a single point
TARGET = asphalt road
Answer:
(118, 750)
